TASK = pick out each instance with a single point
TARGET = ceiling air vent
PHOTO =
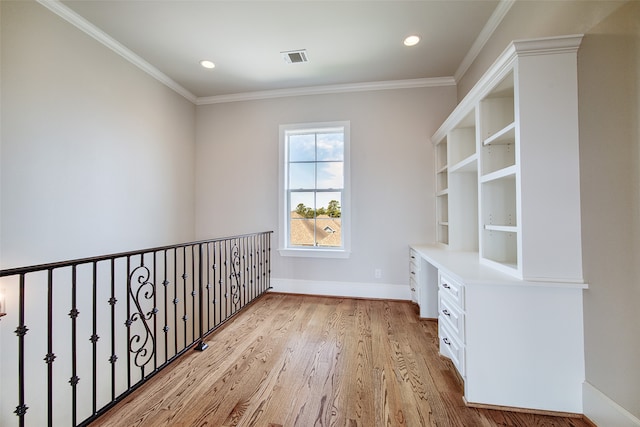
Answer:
(295, 56)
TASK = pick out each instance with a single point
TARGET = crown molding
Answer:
(328, 89)
(546, 45)
(487, 31)
(87, 27)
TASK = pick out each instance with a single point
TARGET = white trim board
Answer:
(603, 411)
(342, 289)
(328, 89)
(490, 27)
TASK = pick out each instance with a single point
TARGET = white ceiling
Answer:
(348, 42)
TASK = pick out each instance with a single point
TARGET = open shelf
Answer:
(497, 113)
(499, 234)
(499, 202)
(470, 164)
(506, 173)
(442, 217)
(503, 228)
(506, 135)
(462, 139)
(495, 157)
(500, 248)
(498, 171)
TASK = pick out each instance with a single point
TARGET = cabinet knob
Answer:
(446, 312)
(412, 257)
(446, 286)
(413, 272)
(446, 341)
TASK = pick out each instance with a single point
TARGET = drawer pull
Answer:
(446, 312)
(446, 341)
(446, 286)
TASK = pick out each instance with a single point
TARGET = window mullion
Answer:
(315, 190)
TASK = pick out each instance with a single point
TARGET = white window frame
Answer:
(345, 206)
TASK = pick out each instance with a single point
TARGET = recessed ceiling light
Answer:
(207, 64)
(411, 40)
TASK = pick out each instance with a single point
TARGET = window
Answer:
(314, 184)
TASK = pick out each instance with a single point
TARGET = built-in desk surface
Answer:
(466, 267)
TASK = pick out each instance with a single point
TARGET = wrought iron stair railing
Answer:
(91, 331)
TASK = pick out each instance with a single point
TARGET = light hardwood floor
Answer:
(292, 360)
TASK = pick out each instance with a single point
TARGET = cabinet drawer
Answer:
(413, 286)
(452, 290)
(413, 275)
(452, 316)
(414, 261)
(413, 271)
(451, 348)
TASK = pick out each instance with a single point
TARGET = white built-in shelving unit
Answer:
(507, 261)
(507, 167)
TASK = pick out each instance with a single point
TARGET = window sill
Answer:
(315, 253)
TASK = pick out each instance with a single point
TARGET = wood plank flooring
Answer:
(292, 360)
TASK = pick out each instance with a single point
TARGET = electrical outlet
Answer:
(377, 273)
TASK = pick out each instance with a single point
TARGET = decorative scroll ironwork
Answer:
(238, 273)
(142, 347)
(235, 275)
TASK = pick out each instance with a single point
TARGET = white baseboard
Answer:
(342, 289)
(603, 411)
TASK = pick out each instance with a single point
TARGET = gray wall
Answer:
(609, 87)
(97, 156)
(391, 175)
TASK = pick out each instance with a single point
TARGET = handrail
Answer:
(68, 263)
(105, 325)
